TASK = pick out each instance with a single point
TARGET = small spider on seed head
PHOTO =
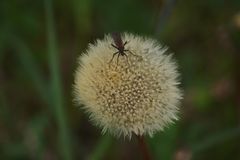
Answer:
(120, 46)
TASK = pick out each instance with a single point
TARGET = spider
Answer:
(120, 46)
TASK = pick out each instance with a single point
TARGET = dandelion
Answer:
(139, 94)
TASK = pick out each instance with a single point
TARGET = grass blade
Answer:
(56, 87)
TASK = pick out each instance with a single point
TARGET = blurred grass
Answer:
(163, 145)
(203, 34)
(30, 67)
(56, 86)
(215, 140)
(102, 147)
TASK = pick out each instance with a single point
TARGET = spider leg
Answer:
(126, 50)
(118, 58)
(114, 46)
(114, 54)
(125, 43)
(127, 59)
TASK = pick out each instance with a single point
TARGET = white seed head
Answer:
(139, 94)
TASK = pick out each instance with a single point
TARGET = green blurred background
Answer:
(39, 45)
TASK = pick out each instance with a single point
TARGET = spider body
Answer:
(119, 45)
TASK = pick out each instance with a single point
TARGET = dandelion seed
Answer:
(139, 96)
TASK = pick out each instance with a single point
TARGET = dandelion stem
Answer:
(143, 147)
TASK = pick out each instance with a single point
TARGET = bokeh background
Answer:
(40, 41)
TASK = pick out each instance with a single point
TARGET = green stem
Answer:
(56, 86)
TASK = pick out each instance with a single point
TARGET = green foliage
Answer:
(163, 145)
(39, 44)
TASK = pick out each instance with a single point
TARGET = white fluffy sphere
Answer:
(139, 94)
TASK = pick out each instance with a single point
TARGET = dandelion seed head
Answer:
(138, 95)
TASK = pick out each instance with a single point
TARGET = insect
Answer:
(120, 46)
